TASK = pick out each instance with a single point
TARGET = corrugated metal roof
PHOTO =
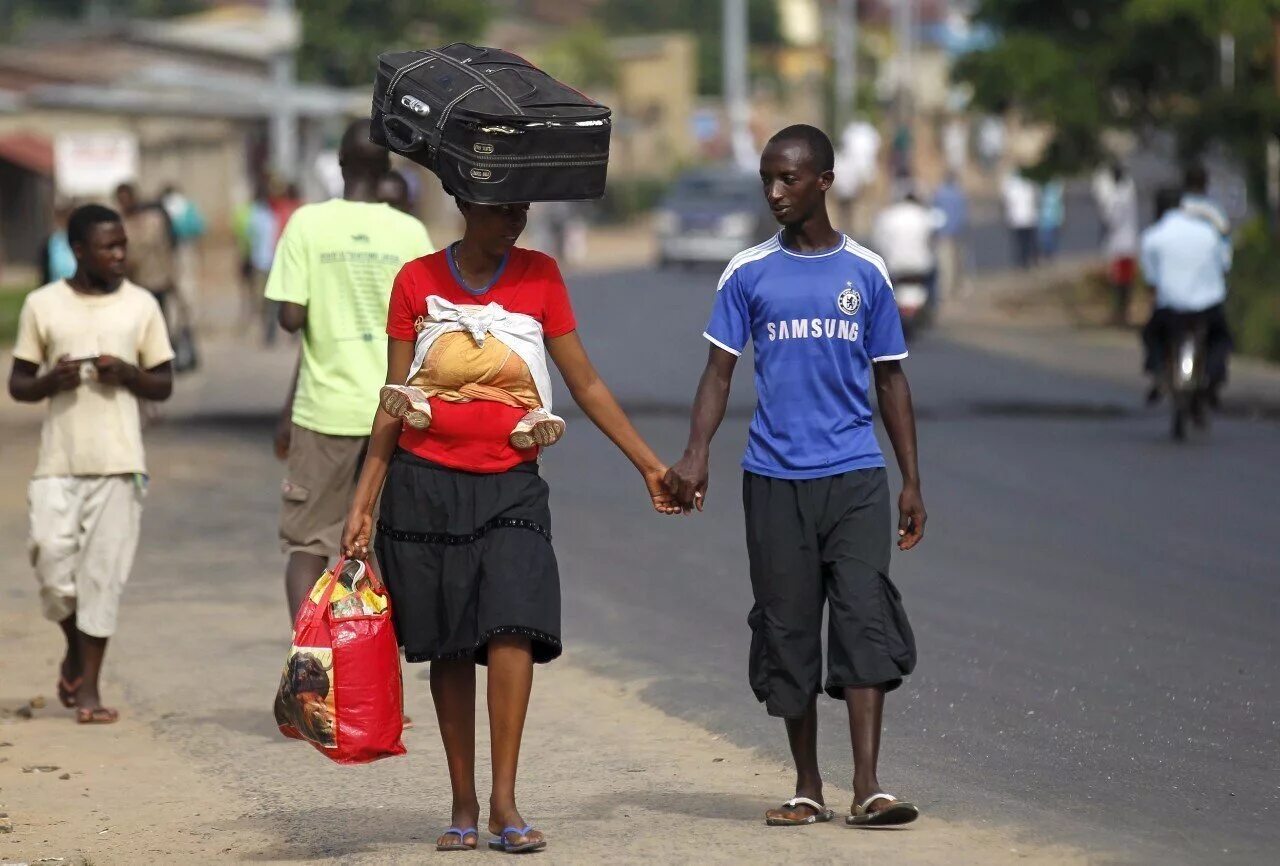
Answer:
(232, 102)
(236, 31)
(94, 73)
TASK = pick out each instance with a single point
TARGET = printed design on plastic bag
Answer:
(304, 700)
(353, 596)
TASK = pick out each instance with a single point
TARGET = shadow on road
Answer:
(307, 834)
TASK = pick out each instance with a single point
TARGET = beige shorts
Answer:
(84, 533)
(319, 486)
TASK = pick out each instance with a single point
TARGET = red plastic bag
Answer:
(341, 688)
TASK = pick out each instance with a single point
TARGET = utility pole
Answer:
(284, 118)
(734, 69)
(904, 37)
(846, 63)
(1227, 61)
(97, 11)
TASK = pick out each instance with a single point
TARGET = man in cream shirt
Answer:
(92, 346)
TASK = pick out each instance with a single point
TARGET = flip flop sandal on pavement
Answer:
(97, 716)
(821, 814)
(461, 844)
(896, 813)
(67, 691)
(500, 843)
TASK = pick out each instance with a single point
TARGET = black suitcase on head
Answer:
(494, 128)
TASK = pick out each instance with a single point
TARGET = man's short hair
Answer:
(819, 144)
(1195, 178)
(83, 220)
(1167, 198)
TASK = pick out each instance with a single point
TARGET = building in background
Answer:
(184, 101)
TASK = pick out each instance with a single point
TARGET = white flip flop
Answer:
(821, 816)
(898, 812)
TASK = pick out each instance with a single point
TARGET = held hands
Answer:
(911, 517)
(663, 501)
(687, 482)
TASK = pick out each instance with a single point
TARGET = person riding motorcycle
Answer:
(904, 237)
(1185, 257)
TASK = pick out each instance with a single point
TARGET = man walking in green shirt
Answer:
(332, 276)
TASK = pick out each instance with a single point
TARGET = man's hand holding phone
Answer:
(65, 374)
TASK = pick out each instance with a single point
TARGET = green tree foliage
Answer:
(341, 39)
(16, 15)
(1085, 66)
(703, 18)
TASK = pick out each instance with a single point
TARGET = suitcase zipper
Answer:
(534, 162)
(463, 153)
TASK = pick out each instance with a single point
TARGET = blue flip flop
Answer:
(500, 843)
(461, 844)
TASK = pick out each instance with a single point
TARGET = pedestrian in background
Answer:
(56, 259)
(332, 276)
(1053, 213)
(1118, 206)
(991, 142)
(102, 345)
(955, 144)
(858, 160)
(244, 254)
(188, 225)
(285, 199)
(152, 260)
(262, 233)
(901, 148)
(1021, 216)
(951, 200)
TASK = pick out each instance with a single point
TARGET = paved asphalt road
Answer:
(1095, 607)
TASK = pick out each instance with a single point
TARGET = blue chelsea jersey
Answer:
(818, 322)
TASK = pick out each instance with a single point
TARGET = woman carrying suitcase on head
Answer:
(464, 526)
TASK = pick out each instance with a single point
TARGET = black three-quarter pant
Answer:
(824, 541)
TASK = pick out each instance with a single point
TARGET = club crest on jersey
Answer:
(849, 300)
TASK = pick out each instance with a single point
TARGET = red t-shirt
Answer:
(474, 436)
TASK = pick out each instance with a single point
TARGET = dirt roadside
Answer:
(195, 772)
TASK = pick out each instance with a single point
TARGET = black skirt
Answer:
(468, 556)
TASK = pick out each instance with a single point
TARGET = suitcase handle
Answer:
(413, 140)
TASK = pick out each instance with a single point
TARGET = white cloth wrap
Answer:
(519, 332)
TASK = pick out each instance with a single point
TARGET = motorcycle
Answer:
(1185, 371)
(914, 297)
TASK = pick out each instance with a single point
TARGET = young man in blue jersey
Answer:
(820, 311)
